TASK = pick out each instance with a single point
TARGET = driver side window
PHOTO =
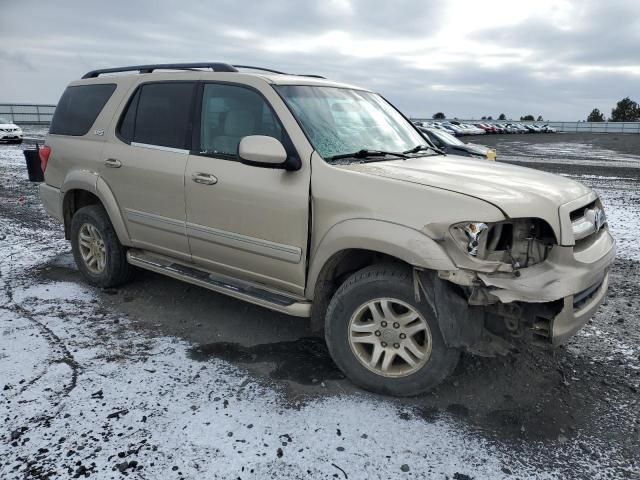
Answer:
(231, 112)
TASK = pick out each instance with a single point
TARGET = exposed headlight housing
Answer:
(519, 242)
(473, 231)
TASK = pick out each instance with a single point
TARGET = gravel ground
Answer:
(159, 379)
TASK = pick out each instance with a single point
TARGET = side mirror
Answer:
(262, 151)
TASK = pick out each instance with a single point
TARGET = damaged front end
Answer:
(517, 281)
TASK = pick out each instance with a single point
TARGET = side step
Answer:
(247, 291)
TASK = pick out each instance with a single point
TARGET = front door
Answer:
(246, 221)
(144, 166)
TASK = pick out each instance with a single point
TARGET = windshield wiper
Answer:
(420, 148)
(366, 154)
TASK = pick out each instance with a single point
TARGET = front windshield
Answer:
(4, 120)
(447, 138)
(341, 121)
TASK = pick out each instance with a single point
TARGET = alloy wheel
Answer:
(92, 249)
(390, 337)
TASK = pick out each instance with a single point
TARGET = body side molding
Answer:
(246, 243)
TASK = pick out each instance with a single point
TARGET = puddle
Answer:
(305, 361)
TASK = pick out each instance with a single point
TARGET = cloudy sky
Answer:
(467, 58)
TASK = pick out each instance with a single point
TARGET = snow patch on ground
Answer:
(567, 152)
(210, 420)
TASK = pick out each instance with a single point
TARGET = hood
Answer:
(517, 191)
(8, 125)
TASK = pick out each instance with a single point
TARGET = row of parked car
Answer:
(457, 128)
(449, 144)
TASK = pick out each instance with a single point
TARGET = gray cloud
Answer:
(417, 54)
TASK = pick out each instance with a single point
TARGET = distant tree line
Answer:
(626, 110)
(502, 116)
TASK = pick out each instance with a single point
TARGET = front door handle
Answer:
(112, 163)
(204, 178)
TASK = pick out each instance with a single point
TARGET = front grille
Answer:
(587, 220)
(579, 212)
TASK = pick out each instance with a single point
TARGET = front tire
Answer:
(382, 339)
(100, 257)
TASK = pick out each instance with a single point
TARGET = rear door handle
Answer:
(112, 163)
(204, 178)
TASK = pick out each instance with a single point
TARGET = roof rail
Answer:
(216, 67)
(260, 68)
(275, 71)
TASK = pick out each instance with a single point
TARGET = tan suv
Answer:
(319, 199)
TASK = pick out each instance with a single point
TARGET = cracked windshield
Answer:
(340, 121)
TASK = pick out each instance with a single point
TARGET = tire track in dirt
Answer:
(59, 350)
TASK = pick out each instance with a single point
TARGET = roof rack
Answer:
(275, 71)
(216, 67)
(260, 68)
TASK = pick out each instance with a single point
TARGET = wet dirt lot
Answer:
(160, 379)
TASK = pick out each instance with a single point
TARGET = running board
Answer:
(240, 289)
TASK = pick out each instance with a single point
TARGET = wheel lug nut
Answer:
(396, 345)
(383, 324)
(378, 333)
(384, 344)
(396, 325)
(403, 336)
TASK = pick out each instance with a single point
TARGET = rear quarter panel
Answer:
(69, 153)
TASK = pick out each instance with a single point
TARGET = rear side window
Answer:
(159, 114)
(79, 107)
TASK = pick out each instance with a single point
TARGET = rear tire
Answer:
(382, 339)
(100, 257)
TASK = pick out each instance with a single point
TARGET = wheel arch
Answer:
(86, 188)
(355, 244)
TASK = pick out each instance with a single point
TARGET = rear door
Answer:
(145, 166)
(247, 221)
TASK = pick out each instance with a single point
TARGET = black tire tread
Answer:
(398, 274)
(118, 270)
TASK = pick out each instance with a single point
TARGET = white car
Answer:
(467, 129)
(472, 129)
(10, 132)
(456, 129)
